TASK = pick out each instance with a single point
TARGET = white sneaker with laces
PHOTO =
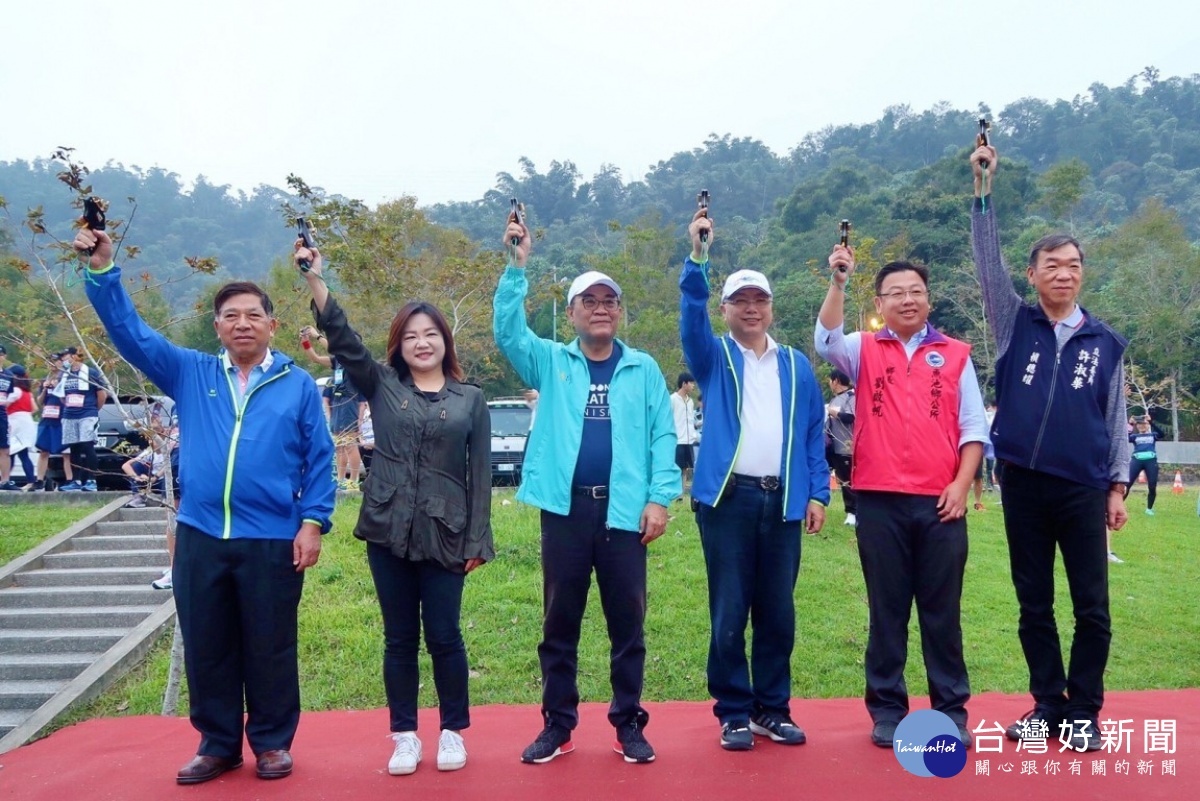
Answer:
(1116, 560)
(851, 520)
(406, 754)
(452, 754)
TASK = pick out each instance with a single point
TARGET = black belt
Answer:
(764, 483)
(595, 493)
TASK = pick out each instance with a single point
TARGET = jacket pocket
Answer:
(450, 514)
(375, 516)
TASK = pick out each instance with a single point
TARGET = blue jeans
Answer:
(753, 560)
(411, 594)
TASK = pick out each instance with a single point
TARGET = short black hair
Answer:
(683, 379)
(242, 288)
(900, 267)
(840, 377)
(1053, 242)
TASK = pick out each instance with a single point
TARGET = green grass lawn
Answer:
(22, 526)
(1154, 607)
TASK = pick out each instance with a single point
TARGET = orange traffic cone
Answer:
(834, 485)
(1177, 487)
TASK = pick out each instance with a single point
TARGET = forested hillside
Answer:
(1118, 166)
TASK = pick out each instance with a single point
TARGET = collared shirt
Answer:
(245, 383)
(1067, 327)
(684, 410)
(761, 451)
(843, 351)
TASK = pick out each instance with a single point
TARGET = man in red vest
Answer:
(918, 439)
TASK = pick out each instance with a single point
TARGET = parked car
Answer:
(120, 437)
(510, 431)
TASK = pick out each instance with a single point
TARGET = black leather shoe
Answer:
(274, 764)
(883, 733)
(204, 768)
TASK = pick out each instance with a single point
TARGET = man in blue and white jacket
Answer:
(256, 459)
(600, 464)
(760, 479)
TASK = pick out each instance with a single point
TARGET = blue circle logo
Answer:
(935, 359)
(926, 744)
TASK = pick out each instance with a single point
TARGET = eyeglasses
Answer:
(748, 303)
(590, 303)
(901, 294)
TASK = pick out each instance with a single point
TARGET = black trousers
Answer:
(572, 547)
(1150, 466)
(1042, 512)
(236, 600)
(841, 464)
(908, 554)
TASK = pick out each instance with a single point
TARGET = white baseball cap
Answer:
(589, 280)
(743, 279)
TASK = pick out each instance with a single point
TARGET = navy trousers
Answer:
(236, 602)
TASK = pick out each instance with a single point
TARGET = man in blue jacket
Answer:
(256, 456)
(600, 464)
(760, 479)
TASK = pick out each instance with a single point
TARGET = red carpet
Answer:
(344, 755)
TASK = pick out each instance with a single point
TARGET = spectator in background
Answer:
(989, 452)
(683, 409)
(344, 407)
(1144, 460)
(6, 384)
(22, 431)
(84, 392)
(839, 434)
(146, 472)
(49, 434)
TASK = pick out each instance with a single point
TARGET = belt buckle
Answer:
(599, 493)
(769, 483)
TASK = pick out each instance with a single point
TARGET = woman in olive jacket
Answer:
(426, 506)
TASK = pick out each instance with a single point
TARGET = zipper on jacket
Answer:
(1037, 443)
(239, 411)
(737, 389)
(787, 457)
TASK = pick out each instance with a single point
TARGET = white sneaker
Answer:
(452, 754)
(851, 520)
(407, 754)
(1116, 560)
(163, 582)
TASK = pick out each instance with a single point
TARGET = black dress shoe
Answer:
(203, 768)
(274, 764)
(883, 733)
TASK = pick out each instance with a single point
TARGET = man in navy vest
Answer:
(1062, 454)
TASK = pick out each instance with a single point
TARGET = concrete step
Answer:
(73, 616)
(33, 597)
(146, 513)
(88, 577)
(27, 694)
(58, 641)
(130, 542)
(10, 719)
(45, 667)
(147, 528)
(69, 560)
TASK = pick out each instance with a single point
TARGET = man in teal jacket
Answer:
(256, 460)
(600, 464)
(760, 480)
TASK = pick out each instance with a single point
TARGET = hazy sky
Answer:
(375, 99)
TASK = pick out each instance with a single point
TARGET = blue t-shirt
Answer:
(1144, 448)
(80, 389)
(595, 449)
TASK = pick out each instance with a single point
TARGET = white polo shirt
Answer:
(761, 451)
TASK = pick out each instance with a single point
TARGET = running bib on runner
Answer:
(51, 412)
(74, 401)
